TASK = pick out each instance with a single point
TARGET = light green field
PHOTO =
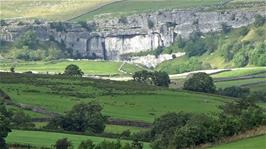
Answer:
(47, 139)
(47, 9)
(119, 129)
(87, 66)
(225, 84)
(250, 143)
(241, 72)
(126, 101)
(127, 7)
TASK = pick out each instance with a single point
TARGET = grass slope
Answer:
(122, 100)
(128, 7)
(250, 143)
(87, 66)
(47, 9)
(241, 72)
(47, 139)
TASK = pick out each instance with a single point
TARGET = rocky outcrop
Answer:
(111, 38)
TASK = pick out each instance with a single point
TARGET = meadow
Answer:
(128, 7)
(41, 139)
(241, 72)
(47, 9)
(89, 67)
(249, 143)
(120, 100)
(242, 82)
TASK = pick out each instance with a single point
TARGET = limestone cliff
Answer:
(110, 38)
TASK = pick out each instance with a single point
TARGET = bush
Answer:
(28, 39)
(259, 20)
(160, 79)
(150, 24)
(235, 91)
(195, 47)
(257, 56)
(244, 31)
(200, 82)
(241, 59)
(88, 144)
(20, 119)
(73, 70)
(226, 28)
(156, 78)
(63, 144)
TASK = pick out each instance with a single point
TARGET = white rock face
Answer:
(152, 61)
(114, 37)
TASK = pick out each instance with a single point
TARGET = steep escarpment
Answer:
(110, 38)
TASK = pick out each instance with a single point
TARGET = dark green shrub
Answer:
(200, 82)
(73, 70)
(63, 144)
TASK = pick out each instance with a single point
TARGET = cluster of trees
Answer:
(84, 117)
(28, 47)
(4, 125)
(88, 144)
(202, 82)
(156, 78)
(187, 130)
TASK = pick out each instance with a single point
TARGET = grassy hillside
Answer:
(47, 9)
(88, 67)
(122, 100)
(128, 7)
(41, 139)
(236, 48)
(250, 143)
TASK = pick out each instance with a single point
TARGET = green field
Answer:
(128, 7)
(46, 139)
(250, 143)
(242, 82)
(64, 10)
(87, 66)
(241, 72)
(127, 100)
(119, 129)
(47, 9)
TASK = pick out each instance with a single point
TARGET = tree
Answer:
(73, 70)
(63, 144)
(200, 82)
(241, 59)
(141, 76)
(28, 39)
(20, 119)
(84, 117)
(136, 144)
(160, 79)
(88, 144)
(12, 69)
(4, 125)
